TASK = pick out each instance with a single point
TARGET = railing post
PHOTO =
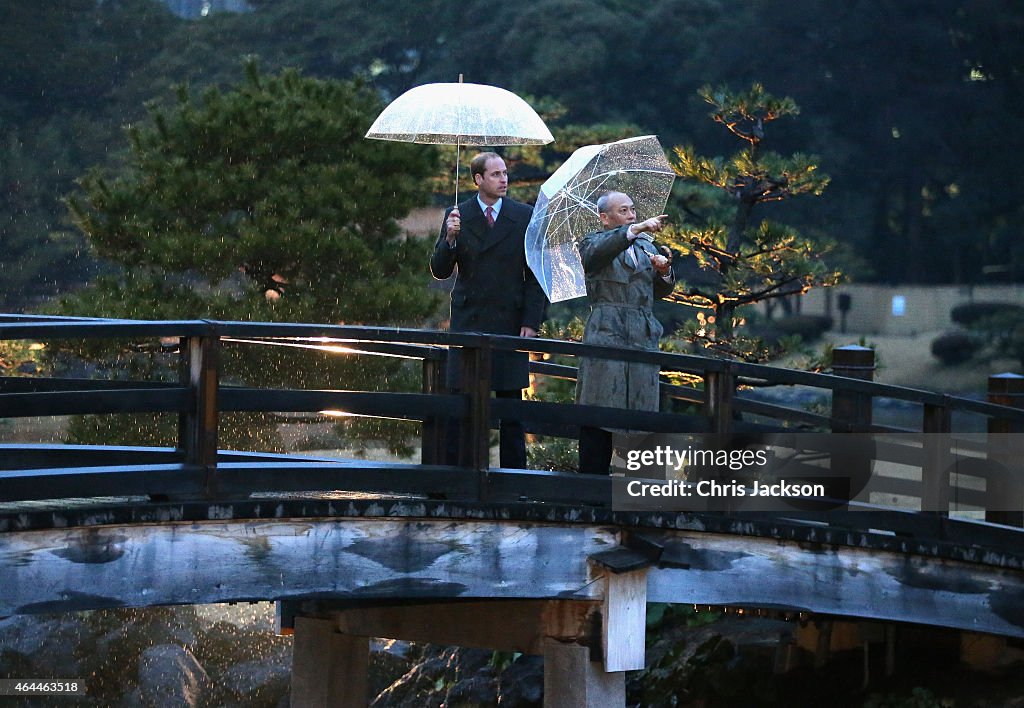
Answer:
(937, 426)
(719, 388)
(1005, 484)
(197, 428)
(432, 430)
(474, 440)
(852, 410)
(853, 458)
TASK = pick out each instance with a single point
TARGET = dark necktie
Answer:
(490, 216)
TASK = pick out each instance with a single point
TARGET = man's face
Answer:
(618, 212)
(493, 183)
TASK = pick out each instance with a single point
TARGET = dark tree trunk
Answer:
(913, 231)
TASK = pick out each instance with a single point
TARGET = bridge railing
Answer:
(721, 403)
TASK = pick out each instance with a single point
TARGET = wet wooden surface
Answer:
(387, 549)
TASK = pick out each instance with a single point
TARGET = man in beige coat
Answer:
(624, 273)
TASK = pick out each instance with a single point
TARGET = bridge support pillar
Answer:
(624, 620)
(572, 680)
(582, 668)
(328, 668)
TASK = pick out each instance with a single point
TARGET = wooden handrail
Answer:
(200, 395)
(72, 328)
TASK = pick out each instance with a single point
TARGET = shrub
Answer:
(808, 327)
(953, 348)
(970, 313)
(556, 454)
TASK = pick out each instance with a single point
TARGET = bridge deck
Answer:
(245, 526)
(308, 549)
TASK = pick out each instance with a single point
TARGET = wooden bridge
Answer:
(547, 562)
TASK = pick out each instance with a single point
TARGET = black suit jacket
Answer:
(495, 291)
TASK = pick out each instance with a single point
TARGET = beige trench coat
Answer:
(621, 300)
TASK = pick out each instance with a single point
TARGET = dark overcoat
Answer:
(621, 298)
(495, 291)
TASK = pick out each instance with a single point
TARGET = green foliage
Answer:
(903, 101)
(906, 126)
(529, 166)
(549, 453)
(952, 348)
(555, 454)
(501, 660)
(738, 262)
(663, 617)
(261, 202)
(990, 330)
(693, 664)
(78, 49)
(744, 114)
(919, 698)
(547, 388)
(571, 331)
(999, 334)
(16, 355)
(38, 251)
(706, 674)
(808, 327)
(972, 313)
(62, 64)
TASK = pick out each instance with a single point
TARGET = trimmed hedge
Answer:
(953, 348)
(969, 313)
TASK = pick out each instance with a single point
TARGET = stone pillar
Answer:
(328, 668)
(572, 680)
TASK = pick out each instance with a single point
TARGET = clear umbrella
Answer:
(566, 208)
(460, 114)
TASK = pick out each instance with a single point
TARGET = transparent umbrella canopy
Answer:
(460, 114)
(566, 208)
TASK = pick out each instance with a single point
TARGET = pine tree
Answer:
(743, 262)
(271, 181)
(263, 202)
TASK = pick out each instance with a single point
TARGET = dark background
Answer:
(914, 108)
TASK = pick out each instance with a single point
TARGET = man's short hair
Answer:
(479, 164)
(602, 201)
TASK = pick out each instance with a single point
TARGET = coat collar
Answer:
(475, 223)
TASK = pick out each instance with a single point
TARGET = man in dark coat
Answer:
(624, 274)
(495, 291)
